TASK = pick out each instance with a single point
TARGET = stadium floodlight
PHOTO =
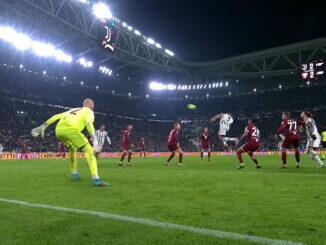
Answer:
(21, 66)
(64, 78)
(209, 86)
(157, 45)
(280, 86)
(125, 25)
(42, 49)
(186, 96)
(147, 96)
(221, 84)
(97, 87)
(138, 33)
(83, 1)
(129, 94)
(22, 42)
(85, 63)
(102, 11)
(169, 52)
(44, 73)
(130, 28)
(82, 83)
(105, 70)
(62, 56)
(227, 84)
(207, 95)
(156, 86)
(230, 93)
(150, 41)
(255, 90)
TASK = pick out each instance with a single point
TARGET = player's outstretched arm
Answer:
(214, 118)
(39, 131)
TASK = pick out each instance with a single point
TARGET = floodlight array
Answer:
(157, 86)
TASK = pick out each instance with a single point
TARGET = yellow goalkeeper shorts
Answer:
(71, 138)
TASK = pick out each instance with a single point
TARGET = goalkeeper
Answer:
(68, 130)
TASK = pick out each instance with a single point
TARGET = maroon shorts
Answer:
(205, 148)
(173, 148)
(291, 141)
(125, 147)
(251, 146)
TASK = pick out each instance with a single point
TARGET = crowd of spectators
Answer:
(28, 100)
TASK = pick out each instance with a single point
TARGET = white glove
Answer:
(39, 131)
(96, 146)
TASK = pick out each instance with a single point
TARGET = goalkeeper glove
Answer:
(39, 131)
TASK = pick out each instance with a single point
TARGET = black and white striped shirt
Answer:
(101, 136)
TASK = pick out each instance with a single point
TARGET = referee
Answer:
(323, 136)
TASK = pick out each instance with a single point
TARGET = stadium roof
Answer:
(71, 25)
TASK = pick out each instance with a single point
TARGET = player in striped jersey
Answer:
(313, 137)
(102, 135)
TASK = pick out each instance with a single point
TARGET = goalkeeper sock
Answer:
(91, 160)
(73, 160)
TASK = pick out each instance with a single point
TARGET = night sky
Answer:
(214, 29)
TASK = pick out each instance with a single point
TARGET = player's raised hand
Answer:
(39, 131)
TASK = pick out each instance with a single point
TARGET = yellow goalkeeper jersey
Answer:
(324, 136)
(75, 119)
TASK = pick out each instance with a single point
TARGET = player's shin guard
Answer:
(284, 157)
(73, 160)
(129, 157)
(123, 157)
(314, 155)
(91, 160)
(180, 157)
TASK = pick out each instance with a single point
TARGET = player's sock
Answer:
(91, 160)
(180, 157)
(123, 157)
(297, 157)
(314, 155)
(129, 157)
(239, 155)
(144, 154)
(209, 155)
(170, 157)
(73, 160)
(284, 157)
(201, 154)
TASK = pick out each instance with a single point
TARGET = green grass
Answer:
(276, 203)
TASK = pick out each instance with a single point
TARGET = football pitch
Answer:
(149, 203)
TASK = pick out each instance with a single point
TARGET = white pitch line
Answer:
(159, 224)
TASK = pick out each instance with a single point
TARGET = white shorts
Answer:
(313, 143)
(223, 130)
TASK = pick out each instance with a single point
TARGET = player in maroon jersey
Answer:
(126, 145)
(173, 144)
(23, 151)
(61, 150)
(205, 143)
(142, 146)
(252, 134)
(289, 128)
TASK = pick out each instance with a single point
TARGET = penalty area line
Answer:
(154, 223)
